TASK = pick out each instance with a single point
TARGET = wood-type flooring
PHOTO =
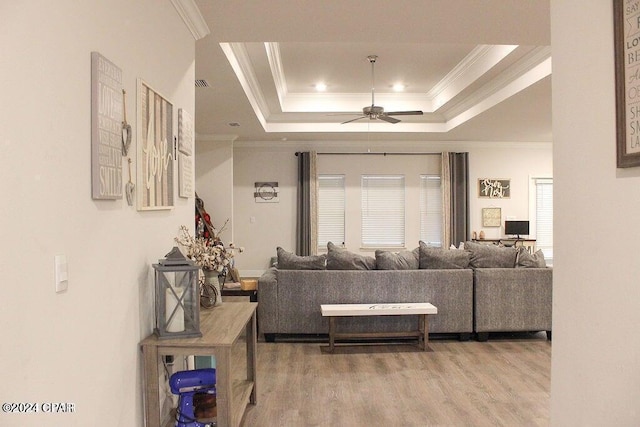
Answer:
(502, 382)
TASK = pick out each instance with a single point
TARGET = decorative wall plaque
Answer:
(491, 217)
(155, 152)
(106, 128)
(266, 192)
(494, 188)
(626, 21)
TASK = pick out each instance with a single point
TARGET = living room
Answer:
(82, 346)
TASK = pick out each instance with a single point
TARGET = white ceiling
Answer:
(480, 70)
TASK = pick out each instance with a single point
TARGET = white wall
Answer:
(519, 165)
(80, 346)
(214, 182)
(275, 222)
(596, 347)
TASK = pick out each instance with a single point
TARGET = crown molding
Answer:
(528, 70)
(363, 146)
(277, 70)
(478, 62)
(216, 138)
(239, 60)
(192, 17)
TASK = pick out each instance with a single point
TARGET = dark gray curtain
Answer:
(306, 223)
(459, 202)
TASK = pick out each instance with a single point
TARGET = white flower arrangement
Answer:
(208, 253)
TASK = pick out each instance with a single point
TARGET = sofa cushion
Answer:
(342, 259)
(290, 261)
(491, 256)
(439, 259)
(525, 259)
(404, 260)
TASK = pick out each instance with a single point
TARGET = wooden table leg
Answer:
(251, 356)
(424, 332)
(151, 367)
(332, 332)
(224, 388)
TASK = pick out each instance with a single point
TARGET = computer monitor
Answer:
(516, 228)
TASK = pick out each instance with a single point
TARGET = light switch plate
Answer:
(61, 273)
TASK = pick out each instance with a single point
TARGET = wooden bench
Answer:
(423, 310)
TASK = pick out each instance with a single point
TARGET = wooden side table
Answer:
(237, 292)
(220, 329)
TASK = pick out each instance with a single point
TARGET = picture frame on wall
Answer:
(491, 217)
(493, 188)
(155, 168)
(626, 27)
(106, 128)
(185, 132)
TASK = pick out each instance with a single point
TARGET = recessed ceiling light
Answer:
(398, 87)
(321, 87)
(234, 124)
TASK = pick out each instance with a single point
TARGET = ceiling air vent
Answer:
(202, 83)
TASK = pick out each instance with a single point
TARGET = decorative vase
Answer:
(212, 278)
(481, 235)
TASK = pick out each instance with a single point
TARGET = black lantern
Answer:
(177, 297)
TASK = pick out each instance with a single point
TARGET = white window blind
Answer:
(383, 216)
(544, 216)
(330, 209)
(431, 210)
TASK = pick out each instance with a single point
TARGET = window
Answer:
(544, 216)
(431, 210)
(330, 209)
(383, 210)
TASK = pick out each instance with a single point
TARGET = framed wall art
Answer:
(626, 25)
(494, 188)
(185, 132)
(185, 175)
(491, 217)
(266, 192)
(106, 128)
(155, 150)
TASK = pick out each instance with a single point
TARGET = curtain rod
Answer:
(376, 154)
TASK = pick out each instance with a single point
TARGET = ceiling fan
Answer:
(376, 112)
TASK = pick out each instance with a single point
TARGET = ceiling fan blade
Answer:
(343, 114)
(388, 119)
(353, 120)
(405, 113)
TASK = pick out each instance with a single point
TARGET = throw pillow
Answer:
(404, 260)
(342, 259)
(442, 259)
(290, 261)
(526, 259)
(491, 256)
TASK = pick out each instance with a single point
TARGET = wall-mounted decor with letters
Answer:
(266, 192)
(106, 128)
(626, 27)
(491, 217)
(494, 188)
(155, 152)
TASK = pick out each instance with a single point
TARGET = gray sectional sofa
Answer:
(478, 290)
(289, 300)
(512, 299)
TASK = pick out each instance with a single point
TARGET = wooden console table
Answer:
(220, 327)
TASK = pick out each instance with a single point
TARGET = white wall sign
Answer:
(155, 152)
(106, 128)
(266, 192)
